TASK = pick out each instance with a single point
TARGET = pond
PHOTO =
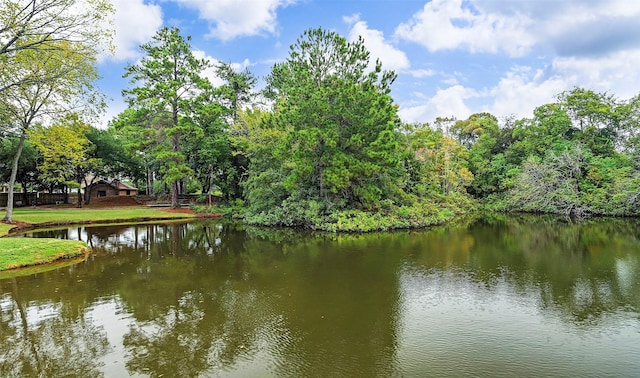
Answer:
(496, 296)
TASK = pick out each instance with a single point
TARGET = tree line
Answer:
(48, 55)
(321, 146)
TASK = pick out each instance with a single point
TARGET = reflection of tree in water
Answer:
(251, 300)
(583, 270)
(208, 298)
(190, 319)
(51, 346)
(338, 294)
(199, 334)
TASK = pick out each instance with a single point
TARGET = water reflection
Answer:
(497, 296)
(45, 339)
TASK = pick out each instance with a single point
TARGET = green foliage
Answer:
(45, 74)
(574, 157)
(41, 29)
(611, 186)
(140, 132)
(235, 209)
(209, 147)
(468, 132)
(436, 164)
(331, 155)
(312, 214)
(169, 86)
(27, 173)
(553, 185)
(340, 122)
(488, 159)
(67, 153)
(115, 160)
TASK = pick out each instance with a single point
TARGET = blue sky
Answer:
(453, 57)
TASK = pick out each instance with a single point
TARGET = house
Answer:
(104, 188)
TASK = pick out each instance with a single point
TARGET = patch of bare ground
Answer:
(112, 201)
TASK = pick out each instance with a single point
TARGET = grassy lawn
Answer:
(37, 216)
(4, 229)
(18, 252)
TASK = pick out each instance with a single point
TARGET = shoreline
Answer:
(24, 253)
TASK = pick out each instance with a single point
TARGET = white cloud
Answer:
(390, 57)
(523, 89)
(451, 81)
(453, 24)
(445, 103)
(351, 19)
(520, 90)
(135, 23)
(234, 18)
(420, 73)
(569, 27)
(617, 73)
(586, 43)
(210, 73)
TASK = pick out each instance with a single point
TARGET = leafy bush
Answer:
(313, 214)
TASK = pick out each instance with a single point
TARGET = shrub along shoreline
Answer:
(23, 252)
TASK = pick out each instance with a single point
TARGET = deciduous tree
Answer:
(44, 25)
(61, 83)
(67, 153)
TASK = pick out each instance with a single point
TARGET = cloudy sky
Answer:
(453, 57)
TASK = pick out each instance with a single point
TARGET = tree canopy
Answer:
(48, 53)
(169, 81)
(326, 151)
(340, 121)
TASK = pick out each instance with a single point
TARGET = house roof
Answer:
(117, 184)
(121, 185)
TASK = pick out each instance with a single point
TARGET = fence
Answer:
(34, 198)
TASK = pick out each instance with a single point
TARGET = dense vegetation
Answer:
(322, 146)
(48, 56)
(577, 156)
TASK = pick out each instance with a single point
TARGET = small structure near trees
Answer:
(104, 188)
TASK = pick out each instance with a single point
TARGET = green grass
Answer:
(19, 252)
(4, 228)
(74, 216)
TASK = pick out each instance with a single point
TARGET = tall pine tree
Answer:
(170, 81)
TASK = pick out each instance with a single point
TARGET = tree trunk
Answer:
(148, 179)
(150, 183)
(79, 205)
(25, 194)
(8, 217)
(174, 195)
(87, 190)
(176, 147)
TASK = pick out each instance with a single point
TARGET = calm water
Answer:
(501, 296)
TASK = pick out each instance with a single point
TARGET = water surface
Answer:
(500, 296)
